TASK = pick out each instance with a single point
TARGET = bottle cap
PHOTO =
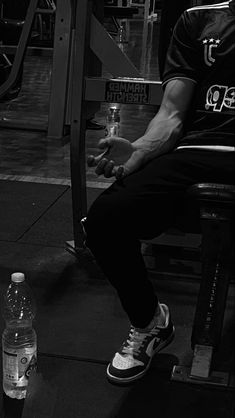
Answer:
(114, 109)
(17, 277)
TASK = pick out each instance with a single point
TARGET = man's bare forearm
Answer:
(166, 128)
(161, 137)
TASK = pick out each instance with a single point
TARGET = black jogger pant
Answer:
(142, 206)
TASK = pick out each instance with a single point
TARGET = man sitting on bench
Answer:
(190, 140)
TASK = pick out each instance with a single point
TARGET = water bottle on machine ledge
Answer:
(112, 129)
(113, 122)
(19, 340)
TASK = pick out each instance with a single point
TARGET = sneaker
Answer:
(133, 359)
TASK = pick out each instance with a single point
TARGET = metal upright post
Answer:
(60, 70)
(78, 119)
(146, 9)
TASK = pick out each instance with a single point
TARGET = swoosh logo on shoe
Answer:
(152, 346)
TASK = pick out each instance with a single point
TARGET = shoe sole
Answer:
(123, 380)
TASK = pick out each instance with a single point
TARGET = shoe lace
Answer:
(135, 341)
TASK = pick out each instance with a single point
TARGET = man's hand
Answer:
(118, 159)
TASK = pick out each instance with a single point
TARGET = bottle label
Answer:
(112, 130)
(18, 364)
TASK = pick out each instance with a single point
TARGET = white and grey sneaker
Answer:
(133, 359)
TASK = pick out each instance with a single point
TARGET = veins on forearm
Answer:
(159, 139)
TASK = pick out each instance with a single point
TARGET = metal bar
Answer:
(45, 11)
(26, 125)
(111, 56)
(216, 264)
(30, 50)
(77, 147)
(20, 52)
(216, 378)
(146, 9)
(201, 364)
(124, 90)
(60, 70)
(69, 88)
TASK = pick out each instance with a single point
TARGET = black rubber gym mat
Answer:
(76, 389)
(80, 324)
(56, 225)
(22, 204)
(37, 213)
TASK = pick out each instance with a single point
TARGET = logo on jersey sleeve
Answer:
(210, 45)
(220, 97)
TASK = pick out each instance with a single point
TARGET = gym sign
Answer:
(127, 92)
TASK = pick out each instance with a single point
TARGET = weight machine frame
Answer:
(66, 27)
(90, 32)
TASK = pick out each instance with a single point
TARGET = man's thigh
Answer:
(153, 198)
(150, 196)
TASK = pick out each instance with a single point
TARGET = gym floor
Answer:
(80, 322)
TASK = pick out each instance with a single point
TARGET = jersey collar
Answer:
(232, 6)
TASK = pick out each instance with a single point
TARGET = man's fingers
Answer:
(108, 169)
(101, 166)
(118, 172)
(93, 161)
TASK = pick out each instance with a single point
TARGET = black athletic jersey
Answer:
(203, 49)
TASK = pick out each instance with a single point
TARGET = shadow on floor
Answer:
(80, 324)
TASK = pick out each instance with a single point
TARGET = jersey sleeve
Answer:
(182, 60)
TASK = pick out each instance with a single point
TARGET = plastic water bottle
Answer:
(121, 35)
(113, 122)
(19, 340)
